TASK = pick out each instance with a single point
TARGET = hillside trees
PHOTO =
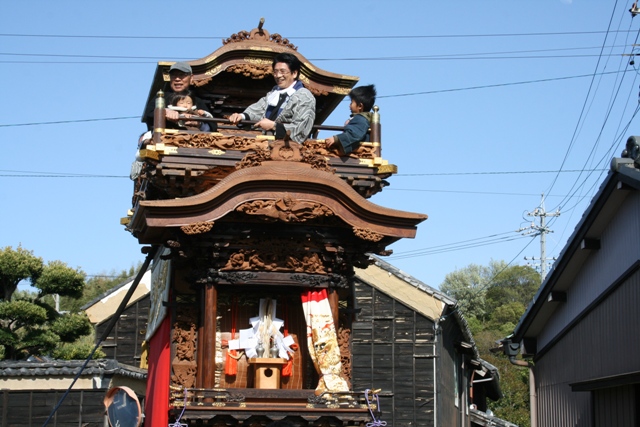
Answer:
(28, 324)
(493, 298)
(96, 286)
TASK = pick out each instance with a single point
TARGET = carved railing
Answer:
(372, 148)
(201, 398)
(175, 163)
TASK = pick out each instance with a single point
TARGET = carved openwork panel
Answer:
(318, 146)
(215, 140)
(276, 258)
(366, 234)
(259, 34)
(183, 341)
(197, 228)
(344, 337)
(287, 151)
(286, 209)
(254, 71)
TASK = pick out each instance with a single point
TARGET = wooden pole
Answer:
(207, 354)
(334, 303)
(159, 118)
(376, 132)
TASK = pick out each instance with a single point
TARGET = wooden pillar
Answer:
(334, 303)
(376, 132)
(207, 337)
(159, 117)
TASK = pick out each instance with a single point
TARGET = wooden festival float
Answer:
(256, 240)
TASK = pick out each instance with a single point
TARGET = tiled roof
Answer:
(67, 368)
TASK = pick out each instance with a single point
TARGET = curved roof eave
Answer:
(276, 180)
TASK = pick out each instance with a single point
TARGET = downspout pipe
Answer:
(512, 349)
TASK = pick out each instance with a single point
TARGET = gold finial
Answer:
(376, 114)
(160, 99)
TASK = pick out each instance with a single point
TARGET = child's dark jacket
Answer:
(355, 132)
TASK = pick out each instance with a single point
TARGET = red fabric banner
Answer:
(156, 408)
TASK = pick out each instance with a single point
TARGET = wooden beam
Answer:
(590, 244)
(557, 296)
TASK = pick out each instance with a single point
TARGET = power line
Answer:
(577, 187)
(492, 173)
(66, 55)
(21, 174)
(62, 176)
(447, 57)
(479, 241)
(460, 192)
(584, 104)
(379, 97)
(68, 121)
(458, 248)
(397, 175)
(501, 84)
(537, 34)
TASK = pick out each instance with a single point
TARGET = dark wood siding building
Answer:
(125, 342)
(409, 340)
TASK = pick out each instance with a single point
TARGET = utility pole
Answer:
(541, 230)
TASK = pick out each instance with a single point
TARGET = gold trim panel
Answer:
(217, 152)
(149, 154)
(388, 169)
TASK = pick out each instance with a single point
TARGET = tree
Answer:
(493, 298)
(468, 287)
(515, 284)
(481, 290)
(28, 325)
(97, 286)
(16, 266)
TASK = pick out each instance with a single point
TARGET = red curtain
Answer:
(156, 407)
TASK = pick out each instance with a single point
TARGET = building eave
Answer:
(622, 177)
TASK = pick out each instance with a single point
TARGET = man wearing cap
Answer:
(179, 80)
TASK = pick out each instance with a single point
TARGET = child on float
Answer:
(357, 127)
(183, 102)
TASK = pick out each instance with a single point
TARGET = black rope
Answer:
(107, 331)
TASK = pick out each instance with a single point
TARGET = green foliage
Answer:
(70, 327)
(75, 352)
(475, 326)
(96, 286)
(80, 349)
(58, 278)
(8, 338)
(514, 383)
(22, 313)
(493, 298)
(468, 287)
(15, 266)
(29, 324)
(36, 341)
(516, 284)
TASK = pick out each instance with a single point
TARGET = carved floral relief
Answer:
(286, 209)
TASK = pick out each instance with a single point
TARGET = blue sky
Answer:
(484, 107)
